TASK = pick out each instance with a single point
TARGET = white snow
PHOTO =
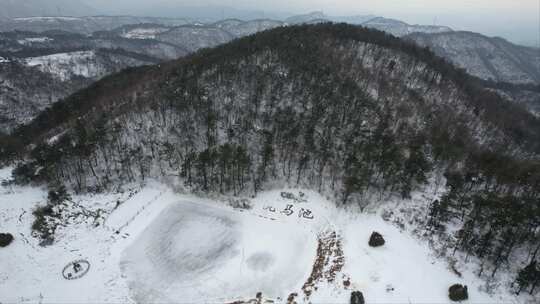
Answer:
(160, 246)
(65, 65)
(403, 265)
(4, 60)
(197, 251)
(31, 40)
(144, 33)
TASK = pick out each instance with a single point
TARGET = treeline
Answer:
(215, 146)
(496, 200)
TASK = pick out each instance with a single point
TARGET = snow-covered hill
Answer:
(395, 27)
(529, 98)
(82, 25)
(400, 28)
(141, 31)
(29, 85)
(195, 37)
(487, 58)
(86, 64)
(240, 28)
(307, 18)
(235, 27)
(152, 244)
(25, 91)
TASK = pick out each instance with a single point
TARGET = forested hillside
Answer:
(25, 91)
(336, 108)
(489, 58)
(29, 85)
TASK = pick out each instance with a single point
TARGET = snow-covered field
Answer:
(153, 245)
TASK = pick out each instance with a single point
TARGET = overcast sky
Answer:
(517, 20)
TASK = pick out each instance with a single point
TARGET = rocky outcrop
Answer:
(5, 239)
(376, 240)
(357, 297)
(458, 292)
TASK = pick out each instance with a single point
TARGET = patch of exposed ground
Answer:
(328, 263)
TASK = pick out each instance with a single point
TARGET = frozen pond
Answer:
(198, 252)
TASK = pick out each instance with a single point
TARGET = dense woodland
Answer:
(338, 108)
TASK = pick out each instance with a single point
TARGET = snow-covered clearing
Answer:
(144, 33)
(154, 245)
(66, 65)
(31, 40)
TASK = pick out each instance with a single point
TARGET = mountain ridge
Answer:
(489, 58)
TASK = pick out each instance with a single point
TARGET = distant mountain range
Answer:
(81, 25)
(400, 28)
(117, 42)
(90, 24)
(392, 26)
(307, 18)
(487, 58)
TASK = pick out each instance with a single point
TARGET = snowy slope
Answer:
(67, 65)
(86, 64)
(485, 57)
(399, 28)
(83, 25)
(195, 37)
(144, 32)
(25, 91)
(29, 85)
(158, 246)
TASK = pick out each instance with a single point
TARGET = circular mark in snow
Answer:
(195, 252)
(195, 245)
(76, 270)
(260, 261)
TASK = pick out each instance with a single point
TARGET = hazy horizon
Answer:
(519, 23)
